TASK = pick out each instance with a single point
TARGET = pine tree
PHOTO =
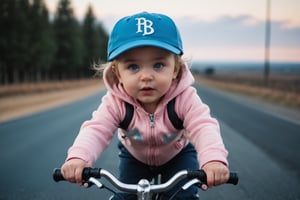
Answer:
(41, 40)
(95, 39)
(102, 42)
(89, 36)
(68, 55)
(14, 40)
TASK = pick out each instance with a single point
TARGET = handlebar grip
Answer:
(86, 174)
(57, 175)
(233, 178)
(201, 175)
(90, 172)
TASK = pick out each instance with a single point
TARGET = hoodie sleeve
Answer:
(202, 130)
(96, 134)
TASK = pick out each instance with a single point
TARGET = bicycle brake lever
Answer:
(196, 182)
(94, 181)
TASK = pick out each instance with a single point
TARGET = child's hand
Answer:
(72, 170)
(217, 173)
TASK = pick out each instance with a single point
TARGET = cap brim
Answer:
(140, 43)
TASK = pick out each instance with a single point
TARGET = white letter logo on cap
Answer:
(147, 24)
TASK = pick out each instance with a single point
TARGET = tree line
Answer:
(36, 46)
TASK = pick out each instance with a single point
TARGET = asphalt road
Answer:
(264, 149)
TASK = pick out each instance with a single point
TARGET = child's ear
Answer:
(175, 75)
(177, 70)
(116, 72)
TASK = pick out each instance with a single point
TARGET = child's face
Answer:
(146, 74)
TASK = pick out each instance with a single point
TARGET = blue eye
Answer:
(158, 66)
(133, 67)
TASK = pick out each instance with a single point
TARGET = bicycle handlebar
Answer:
(98, 173)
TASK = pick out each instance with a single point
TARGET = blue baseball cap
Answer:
(144, 29)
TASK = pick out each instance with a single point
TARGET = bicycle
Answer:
(144, 189)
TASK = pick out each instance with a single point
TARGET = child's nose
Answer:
(146, 75)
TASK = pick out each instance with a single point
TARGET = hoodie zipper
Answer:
(151, 149)
(151, 117)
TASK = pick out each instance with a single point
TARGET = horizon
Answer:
(285, 68)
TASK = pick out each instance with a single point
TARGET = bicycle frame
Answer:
(143, 189)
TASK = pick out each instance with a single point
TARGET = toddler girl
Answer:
(146, 71)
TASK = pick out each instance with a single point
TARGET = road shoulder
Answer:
(12, 107)
(279, 111)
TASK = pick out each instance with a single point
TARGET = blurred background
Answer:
(50, 40)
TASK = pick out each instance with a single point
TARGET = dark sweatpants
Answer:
(131, 171)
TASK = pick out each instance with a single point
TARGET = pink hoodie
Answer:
(151, 138)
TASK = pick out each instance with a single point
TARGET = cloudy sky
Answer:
(214, 30)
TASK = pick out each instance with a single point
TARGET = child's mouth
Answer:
(147, 90)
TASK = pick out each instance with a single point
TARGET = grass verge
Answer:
(280, 94)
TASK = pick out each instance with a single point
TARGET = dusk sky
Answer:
(213, 30)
